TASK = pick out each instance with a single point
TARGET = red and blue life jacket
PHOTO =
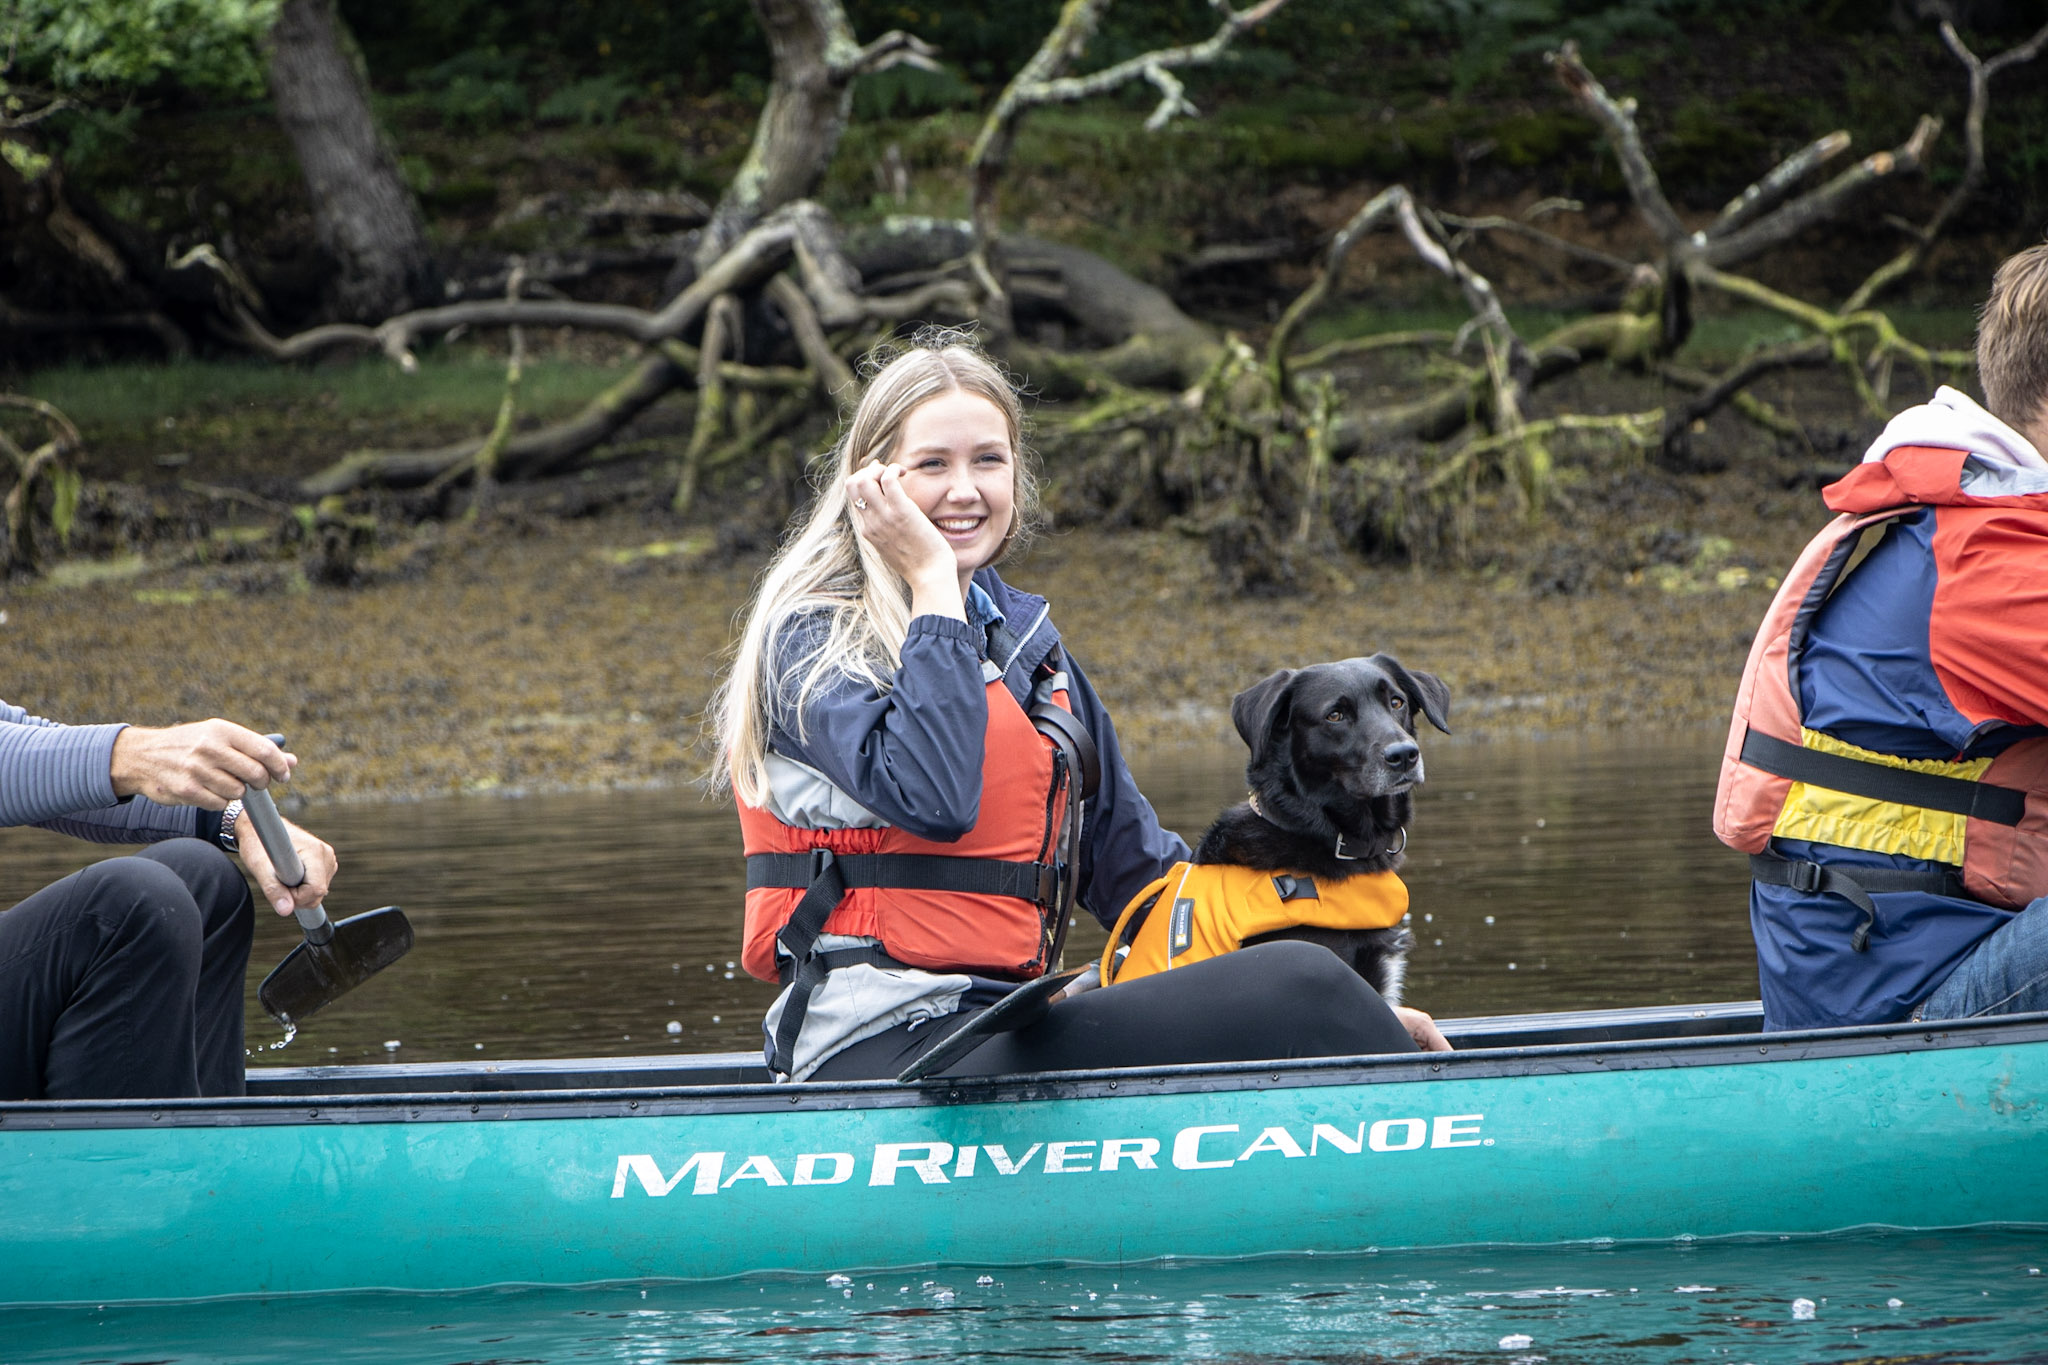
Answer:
(1883, 767)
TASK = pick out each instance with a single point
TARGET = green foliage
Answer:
(93, 53)
(475, 90)
(93, 46)
(906, 91)
(594, 101)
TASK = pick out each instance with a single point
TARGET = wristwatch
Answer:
(228, 816)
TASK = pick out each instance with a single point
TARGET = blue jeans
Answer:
(2006, 974)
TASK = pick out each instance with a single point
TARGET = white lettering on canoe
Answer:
(889, 1159)
(1450, 1130)
(999, 1157)
(1187, 1147)
(1138, 1151)
(1336, 1137)
(1413, 1131)
(759, 1168)
(1067, 1158)
(1202, 1147)
(706, 1164)
(1273, 1140)
(842, 1168)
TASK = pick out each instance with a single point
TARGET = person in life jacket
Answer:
(1887, 764)
(911, 750)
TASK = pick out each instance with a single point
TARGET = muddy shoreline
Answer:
(560, 655)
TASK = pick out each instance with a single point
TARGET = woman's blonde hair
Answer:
(826, 569)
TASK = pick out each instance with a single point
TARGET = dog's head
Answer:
(1333, 748)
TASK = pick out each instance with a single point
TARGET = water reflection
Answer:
(1941, 1297)
(1545, 875)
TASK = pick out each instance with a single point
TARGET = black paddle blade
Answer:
(1019, 1009)
(311, 978)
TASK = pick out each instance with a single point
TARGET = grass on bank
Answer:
(225, 413)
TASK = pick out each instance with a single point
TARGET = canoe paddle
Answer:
(335, 958)
(1021, 1008)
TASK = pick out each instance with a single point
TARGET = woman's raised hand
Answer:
(885, 517)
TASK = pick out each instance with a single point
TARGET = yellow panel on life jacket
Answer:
(1832, 817)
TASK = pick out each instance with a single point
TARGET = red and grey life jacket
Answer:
(993, 903)
(1977, 827)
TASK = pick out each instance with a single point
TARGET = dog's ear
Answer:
(1255, 709)
(1427, 692)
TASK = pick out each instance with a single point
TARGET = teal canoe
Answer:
(1628, 1124)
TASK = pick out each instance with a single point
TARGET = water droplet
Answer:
(1895, 1303)
(1489, 919)
(391, 1044)
(986, 1279)
(479, 1047)
(715, 1019)
(1511, 966)
(1517, 1342)
(1803, 1310)
(839, 1281)
(1541, 823)
(728, 976)
(730, 965)
(675, 1026)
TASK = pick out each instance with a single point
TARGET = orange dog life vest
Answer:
(1212, 908)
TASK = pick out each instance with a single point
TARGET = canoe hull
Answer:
(1721, 1138)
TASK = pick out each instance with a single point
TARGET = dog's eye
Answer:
(1395, 703)
(1336, 716)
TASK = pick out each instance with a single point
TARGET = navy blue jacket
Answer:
(913, 755)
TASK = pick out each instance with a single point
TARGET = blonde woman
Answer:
(908, 740)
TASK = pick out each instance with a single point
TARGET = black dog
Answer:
(1333, 760)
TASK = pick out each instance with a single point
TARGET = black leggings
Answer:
(1276, 1000)
(124, 980)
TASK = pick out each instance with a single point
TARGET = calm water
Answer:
(1979, 1299)
(1545, 875)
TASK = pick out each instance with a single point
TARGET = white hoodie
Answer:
(2002, 462)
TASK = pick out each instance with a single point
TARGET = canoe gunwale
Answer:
(1476, 1063)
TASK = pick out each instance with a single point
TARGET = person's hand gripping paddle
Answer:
(335, 957)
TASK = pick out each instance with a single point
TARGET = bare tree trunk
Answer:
(816, 61)
(363, 214)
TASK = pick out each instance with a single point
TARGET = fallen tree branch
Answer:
(1790, 219)
(1981, 74)
(1496, 223)
(762, 249)
(1676, 443)
(834, 375)
(1041, 81)
(1767, 193)
(1617, 120)
(722, 329)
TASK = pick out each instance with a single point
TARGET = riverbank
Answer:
(560, 654)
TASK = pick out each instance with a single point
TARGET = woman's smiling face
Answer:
(960, 469)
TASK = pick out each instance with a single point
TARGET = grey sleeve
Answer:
(61, 777)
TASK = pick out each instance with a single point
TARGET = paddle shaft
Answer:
(284, 859)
